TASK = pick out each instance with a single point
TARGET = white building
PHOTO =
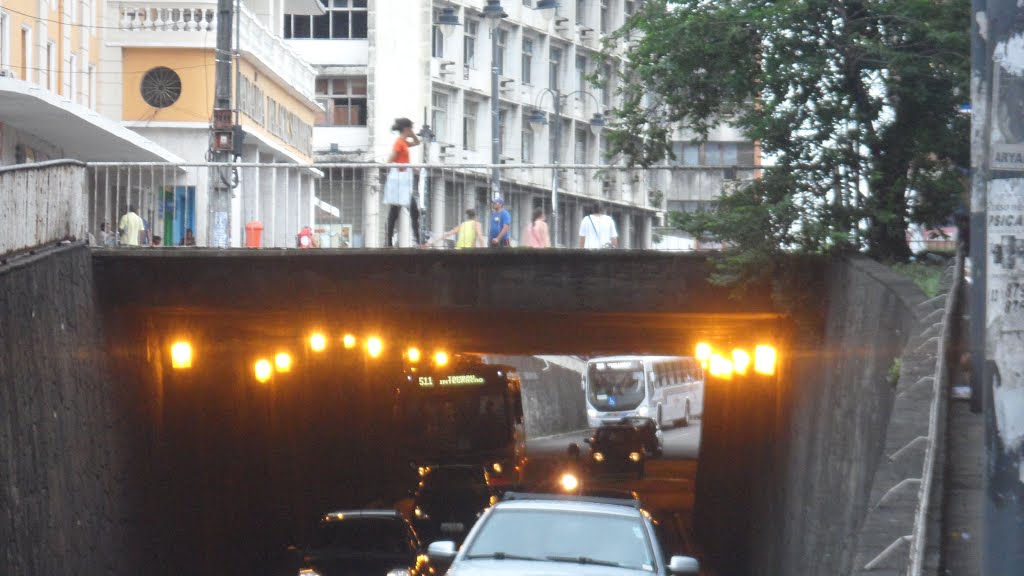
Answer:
(382, 59)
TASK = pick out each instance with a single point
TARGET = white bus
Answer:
(669, 389)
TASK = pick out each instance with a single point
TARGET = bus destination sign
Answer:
(453, 380)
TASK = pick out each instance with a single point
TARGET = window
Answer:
(51, 66)
(554, 67)
(439, 115)
(26, 52)
(553, 155)
(91, 101)
(527, 146)
(581, 76)
(581, 12)
(581, 147)
(344, 101)
(436, 38)
(502, 125)
(720, 153)
(469, 44)
(73, 67)
(527, 59)
(5, 49)
(469, 124)
(629, 7)
(344, 19)
(686, 153)
(499, 56)
(605, 17)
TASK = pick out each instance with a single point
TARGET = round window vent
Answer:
(161, 87)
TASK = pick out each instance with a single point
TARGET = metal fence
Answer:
(343, 204)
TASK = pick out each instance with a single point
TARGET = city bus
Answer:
(668, 389)
(465, 412)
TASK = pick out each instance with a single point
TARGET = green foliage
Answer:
(855, 102)
(893, 377)
(928, 277)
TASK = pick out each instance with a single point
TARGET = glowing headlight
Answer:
(568, 482)
(497, 467)
(634, 456)
(598, 457)
(592, 412)
(308, 572)
(641, 411)
(419, 513)
(398, 572)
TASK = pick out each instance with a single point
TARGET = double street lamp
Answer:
(537, 119)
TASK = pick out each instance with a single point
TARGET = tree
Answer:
(855, 102)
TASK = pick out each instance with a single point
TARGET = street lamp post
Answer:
(537, 119)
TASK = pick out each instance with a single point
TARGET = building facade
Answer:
(378, 60)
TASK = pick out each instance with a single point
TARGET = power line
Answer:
(91, 26)
(98, 72)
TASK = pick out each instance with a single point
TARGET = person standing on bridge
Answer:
(398, 187)
(468, 234)
(598, 230)
(536, 233)
(131, 227)
(501, 224)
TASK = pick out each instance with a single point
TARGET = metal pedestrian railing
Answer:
(340, 205)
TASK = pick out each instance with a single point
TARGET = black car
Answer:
(448, 500)
(616, 449)
(363, 542)
(649, 430)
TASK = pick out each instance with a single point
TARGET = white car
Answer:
(554, 535)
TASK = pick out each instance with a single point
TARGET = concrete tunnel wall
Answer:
(65, 503)
(791, 464)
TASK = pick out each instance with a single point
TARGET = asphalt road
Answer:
(667, 491)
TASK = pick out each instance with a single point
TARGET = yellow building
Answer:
(49, 67)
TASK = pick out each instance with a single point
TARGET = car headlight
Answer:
(598, 457)
(569, 482)
(420, 514)
(399, 572)
(641, 411)
(592, 412)
(634, 456)
(308, 572)
(497, 467)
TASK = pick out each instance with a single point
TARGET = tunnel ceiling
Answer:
(516, 302)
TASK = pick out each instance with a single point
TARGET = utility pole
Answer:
(225, 138)
(997, 258)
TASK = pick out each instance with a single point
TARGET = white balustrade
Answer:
(167, 17)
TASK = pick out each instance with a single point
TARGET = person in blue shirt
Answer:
(501, 224)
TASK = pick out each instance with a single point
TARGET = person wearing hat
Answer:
(501, 223)
(398, 186)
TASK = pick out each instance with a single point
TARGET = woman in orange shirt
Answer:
(398, 188)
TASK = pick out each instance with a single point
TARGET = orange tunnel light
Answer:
(181, 355)
(703, 352)
(283, 362)
(413, 354)
(263, 370)
(317, 342)
(720, 366)
(374, 346)
(740, 361)
(765, 358)
(440, 358)
(348, 341)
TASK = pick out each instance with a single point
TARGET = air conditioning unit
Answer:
(446, 67)
(507, 83)
(6, 73)
(561, 23)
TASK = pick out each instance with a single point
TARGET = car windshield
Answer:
(616, 435)
(615, 386)
(453, 483)
(362, 534)
(559, 535)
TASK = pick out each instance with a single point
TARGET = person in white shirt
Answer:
(597, 230)
(131, 227)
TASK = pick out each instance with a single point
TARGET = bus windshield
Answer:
(615, 385)
(463, 423)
